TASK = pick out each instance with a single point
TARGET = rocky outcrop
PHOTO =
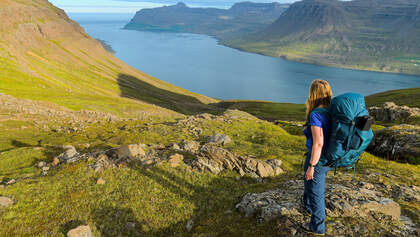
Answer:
(401, 142)
(390, 112)
(216, 159)
(363, 200)
(209, 157)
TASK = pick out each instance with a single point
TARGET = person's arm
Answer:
(318, 143)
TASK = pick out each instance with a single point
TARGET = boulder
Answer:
(81, 231)
(69, 155)
(391, 112)
(5, 202)
(175, 159)
(131, 151)
(219, 139)
(264, 170)
(216, 159)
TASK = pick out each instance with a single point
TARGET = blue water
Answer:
(198, 63)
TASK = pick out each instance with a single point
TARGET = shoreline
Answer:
(221, 42)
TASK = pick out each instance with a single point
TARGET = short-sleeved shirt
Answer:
(321, 120)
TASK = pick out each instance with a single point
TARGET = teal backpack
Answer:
(350, 131)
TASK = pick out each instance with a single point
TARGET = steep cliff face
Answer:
(315, 18)
(244, 17)
(46, 56)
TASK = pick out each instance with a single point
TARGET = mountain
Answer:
(241, 18)
(378, 35)
(46, 56)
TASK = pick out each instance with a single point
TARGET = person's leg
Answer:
(316, 193)
(305, 199)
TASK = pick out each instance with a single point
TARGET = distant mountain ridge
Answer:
(381, 35)
(241, 18)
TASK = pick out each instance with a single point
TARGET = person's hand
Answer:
(309, 173)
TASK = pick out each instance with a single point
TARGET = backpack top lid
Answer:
(348, 106)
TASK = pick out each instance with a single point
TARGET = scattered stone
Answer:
(219, 139)
(101, 163)
(10, 182)
(81, 231)
(190, 225)
(175, 160)
(100, 181)
(55, 161)
(131, 151)
(190, 146)
(41, 164)
(5, 202)
(69, 155)
(391, 112)
(46, 168)
(130, 225)
(173, 146)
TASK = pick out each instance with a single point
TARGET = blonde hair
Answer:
(319, 95)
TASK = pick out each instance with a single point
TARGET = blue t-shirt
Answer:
(321, 120)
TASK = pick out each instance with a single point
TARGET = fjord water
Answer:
(198, 63)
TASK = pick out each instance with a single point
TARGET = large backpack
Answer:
(350, 130)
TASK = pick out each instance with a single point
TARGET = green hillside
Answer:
(409, 97)
(60, 63)
(379, 35)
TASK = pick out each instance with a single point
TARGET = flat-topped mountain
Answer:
(244, 17)
(368, 34)
(44, 55)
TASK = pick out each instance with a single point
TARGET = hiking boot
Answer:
(307, 230)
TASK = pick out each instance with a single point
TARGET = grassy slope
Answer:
(409, 97)
(319, 53)
(69, 68)
(161, 199)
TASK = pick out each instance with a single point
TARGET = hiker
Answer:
(317, 133)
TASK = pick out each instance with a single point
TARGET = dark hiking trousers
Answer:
(314, 197)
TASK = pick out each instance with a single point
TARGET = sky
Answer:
(131, 6)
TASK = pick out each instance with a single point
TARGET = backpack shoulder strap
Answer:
(321, 110)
